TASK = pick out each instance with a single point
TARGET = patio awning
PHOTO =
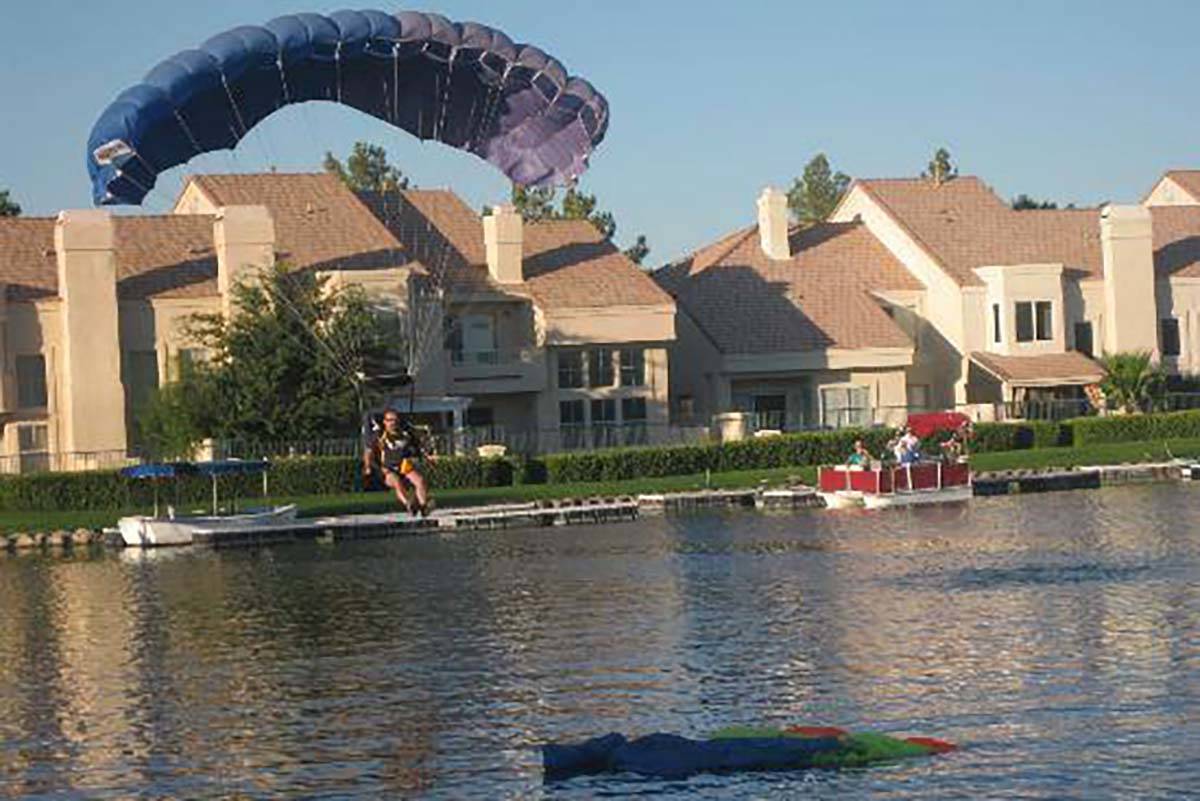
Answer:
(1051, 370)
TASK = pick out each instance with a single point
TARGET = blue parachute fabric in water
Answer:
(463, 84)
(669, 756)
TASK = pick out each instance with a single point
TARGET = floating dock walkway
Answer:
(523, 515)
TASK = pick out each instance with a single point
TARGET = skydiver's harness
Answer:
(398, 454)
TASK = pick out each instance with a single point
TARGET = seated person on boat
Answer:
(860, 457)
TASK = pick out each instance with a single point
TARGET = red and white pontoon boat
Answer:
(904, 485)
(923, 482)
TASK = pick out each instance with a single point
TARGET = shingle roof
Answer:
(28, 264)
(1188, 179)
(1176, 241)
(165, 256)
(319, 223)
(964, 224)
(820, 298)
(568, 264)
(1071, 367)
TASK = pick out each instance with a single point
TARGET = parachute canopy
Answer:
(462, 84)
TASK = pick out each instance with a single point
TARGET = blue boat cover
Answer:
(176, 469)
(670, 756)
(168, 470)
(463, 84)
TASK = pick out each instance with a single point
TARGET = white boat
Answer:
(144, 531)
(152, 531)
(885, 487)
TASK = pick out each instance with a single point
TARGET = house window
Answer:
(570, 369)
(996, 334)
(190, 358)
(845, 406)
(1035, 321)
(480, 417)
(918, 397)
(1044, 320)
(33, 448)
(1083, 338)
(31, 381)
(140, 369)
(633, 367)
(770, 412)
(687, 408)
(633, 420)
(604, 423)
(1168, 332)
(570, 420)
(600, 367)
(1025, 322)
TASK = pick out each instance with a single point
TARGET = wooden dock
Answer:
(377, 526)
(568, 512)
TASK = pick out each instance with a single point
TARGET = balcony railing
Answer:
(493, 358)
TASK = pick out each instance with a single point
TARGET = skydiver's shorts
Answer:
(405, 467)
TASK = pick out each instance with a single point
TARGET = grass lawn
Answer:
(350, 503)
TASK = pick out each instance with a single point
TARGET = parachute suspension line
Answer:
(183, 124)
(395, 83)
(337, 67)
(492, 109)
(287, 95)
(444, 103)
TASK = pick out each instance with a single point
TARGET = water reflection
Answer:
(1057, 635)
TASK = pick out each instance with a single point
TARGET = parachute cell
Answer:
(463, 84)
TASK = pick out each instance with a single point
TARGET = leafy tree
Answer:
(1132, 381)
(941, 168)
(815, 194)
(168, 425)
(285, 365)
(367, 169)
(8, 206)
(1024, 202)
(540, 204)
(638, 251)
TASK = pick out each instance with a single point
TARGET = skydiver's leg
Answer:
(419, 488)
(394, 481)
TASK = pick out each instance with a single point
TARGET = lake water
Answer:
(1056, 637)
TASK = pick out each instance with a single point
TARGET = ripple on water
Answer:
(1056, 636)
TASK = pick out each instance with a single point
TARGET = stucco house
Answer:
(1001, 311)
(545, 329)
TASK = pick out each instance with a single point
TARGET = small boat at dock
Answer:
(904, 485)
(157, 530)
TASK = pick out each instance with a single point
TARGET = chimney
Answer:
(773, 224)
(502, 237)
(1130, 310)
(92, 401)
(244, 237)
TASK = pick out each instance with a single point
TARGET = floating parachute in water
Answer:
(462, 84)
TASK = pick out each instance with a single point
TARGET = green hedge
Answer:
(288, 477)
(1136, 427)
(330, 475)
(993, 437)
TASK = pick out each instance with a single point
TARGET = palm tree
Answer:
(1132, 381)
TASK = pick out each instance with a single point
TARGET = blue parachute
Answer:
(462, 84)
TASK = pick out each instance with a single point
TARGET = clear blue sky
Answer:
(1075, 102)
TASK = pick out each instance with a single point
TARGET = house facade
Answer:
(992, 311)
(543, 329)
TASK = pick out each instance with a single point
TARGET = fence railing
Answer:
(532, 442)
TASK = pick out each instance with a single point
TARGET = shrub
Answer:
(1137, 427)
(993, 437)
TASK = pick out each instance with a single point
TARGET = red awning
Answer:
(926, 425)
